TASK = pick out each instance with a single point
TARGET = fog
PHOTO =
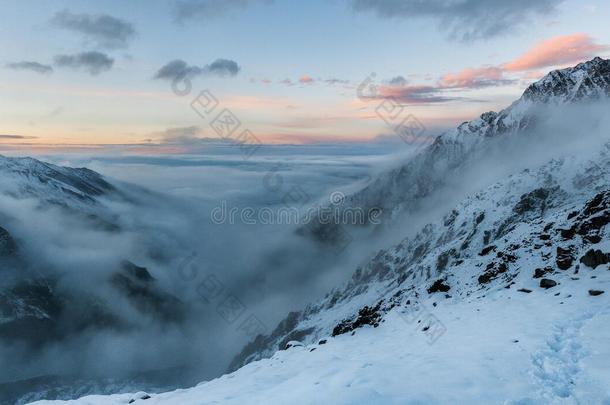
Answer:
(164, 224)
(161, 221)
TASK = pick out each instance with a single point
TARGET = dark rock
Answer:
(534, 200)
(140, 288)
(524, 290)
(439, 285)
(507, 257)
(366, 316)
(590, 228)
(594, 258)
(8, 247)
(564, 258)
(322, 342)
(545, 237)
(592, 238)
(538, 273)
(568, 233)
(595, 293)
(547, 283)
(493, 270)
(487, 250)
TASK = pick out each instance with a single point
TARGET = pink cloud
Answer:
(559, 50)
(305, 79)
(472, 78)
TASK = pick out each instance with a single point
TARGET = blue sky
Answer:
(272, 41)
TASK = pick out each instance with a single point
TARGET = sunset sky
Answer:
(100, 72)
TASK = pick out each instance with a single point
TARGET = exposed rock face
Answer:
(38, 312)
(439, 285)
(588, 80)
(8, 247)
(564, 258)
(366, 316)
(140, 288)
(594, 258)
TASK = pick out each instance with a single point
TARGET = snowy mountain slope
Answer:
(519, 219)
(487, 355)
(501, 301)
(406, 188)
(28, 177)
(409, 187)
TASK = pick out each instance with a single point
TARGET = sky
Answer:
(93, 75)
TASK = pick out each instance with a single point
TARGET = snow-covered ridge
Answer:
(31, 178)
(506, 219)
(405, 187)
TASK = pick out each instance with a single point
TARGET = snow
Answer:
(510, 348)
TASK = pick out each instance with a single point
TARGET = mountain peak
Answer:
(587, 80)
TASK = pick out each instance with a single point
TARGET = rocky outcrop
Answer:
(594, 258)
(8, 247)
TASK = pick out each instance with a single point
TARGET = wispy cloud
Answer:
(413, 94)
(15, 137)
(186, 10)
(92, 62)
(560, 50)
(472, 78)
(306, 79)
(32, 66)
(465, 20)
(102, 30)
